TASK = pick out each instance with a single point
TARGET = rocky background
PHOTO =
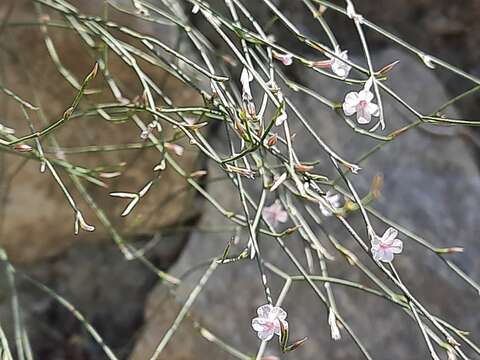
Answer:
(432, 178)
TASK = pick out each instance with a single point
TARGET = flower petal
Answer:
(265, 335)
(348, 109)
(281, 314)
(378, 253)
(373, 109)
(389, 235)
(376, 241)
(387, 256)
(365, 95)
(351, 99)
(282, 216)
(339, 70)
(363, 117)
(264, 310)
(260, 324)
(397, 246)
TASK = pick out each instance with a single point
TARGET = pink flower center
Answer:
(362, 104)
(384, 245)
(270, 325)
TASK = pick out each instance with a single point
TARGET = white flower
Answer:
(384, 248)
(268, 321)
(245, 79)
(361, 103)
(275, 214)
(286, 59)
(333, 200)
(339, 67)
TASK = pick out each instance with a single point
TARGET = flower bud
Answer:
(303, 168)
(22, 148)
(272, 140)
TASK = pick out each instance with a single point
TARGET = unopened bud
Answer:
(449, 250)
(109, 175)
(303, 168)
(94, 71)
(387, 68)
(295, 345)
(177, 149)
(376, 186)
(22, 148)
(323, 64)
(198, 173)
(272, 140)
(68, 113)
(241, 171)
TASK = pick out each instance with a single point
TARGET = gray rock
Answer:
(107, 290)
(431, 186)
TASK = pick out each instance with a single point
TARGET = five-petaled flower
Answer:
(275, 214)
(384, 247)
(268, 321)
(333, 200)
(361, 103)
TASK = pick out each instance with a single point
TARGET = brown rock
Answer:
(36, 219)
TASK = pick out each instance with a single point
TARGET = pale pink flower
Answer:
(286, 59)
(334, 200)
(361, 103)
(268, 321)
(384, 248)
(275, 214)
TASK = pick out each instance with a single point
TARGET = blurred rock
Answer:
(109, 291)
(431, 186)
(36, 218)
